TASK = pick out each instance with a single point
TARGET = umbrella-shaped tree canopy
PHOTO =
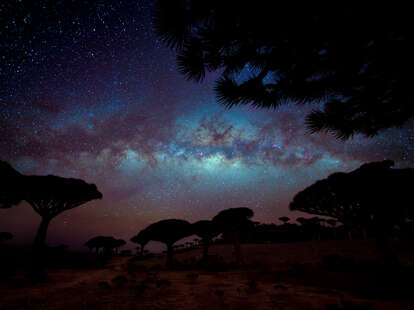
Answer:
(374, 191)
(373, 196)
(168, 231)
(206, 230)
(108, 243)
(233, 219)
(142, 238)
(50, 195)
(96, 242)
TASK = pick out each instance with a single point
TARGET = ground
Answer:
(308, 275)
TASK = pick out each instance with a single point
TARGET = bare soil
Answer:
(308, 275)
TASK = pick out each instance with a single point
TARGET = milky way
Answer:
(89, 91)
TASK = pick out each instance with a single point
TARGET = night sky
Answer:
(89, 91)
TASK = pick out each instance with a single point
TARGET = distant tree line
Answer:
(231, 221)
(369, 202)
(372, 201)
(108, 245)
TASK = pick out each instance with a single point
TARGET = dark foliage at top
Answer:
(11, 184)
(357, 62)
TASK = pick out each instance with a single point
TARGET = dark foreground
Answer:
(311, 275)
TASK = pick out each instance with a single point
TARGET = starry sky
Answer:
(89, 91)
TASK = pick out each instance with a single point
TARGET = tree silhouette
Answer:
(142, 238)
(108, 244)
(233, 221)
(310, 227)
(373, 196)
(51, 195)
(5, 236)
(314, 225)
(348, 59)
(97, 243)
(332, 223)
(11, 186)
(118, 244)
(206, 230)
(284, 219)
(168, 232)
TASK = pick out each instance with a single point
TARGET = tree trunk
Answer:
(237, 248)
(205, 249)
(142, 250)
(385, 248)
(37, 272)
(364, 234)
(316, 236)
(169, 255)
(39, 241)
